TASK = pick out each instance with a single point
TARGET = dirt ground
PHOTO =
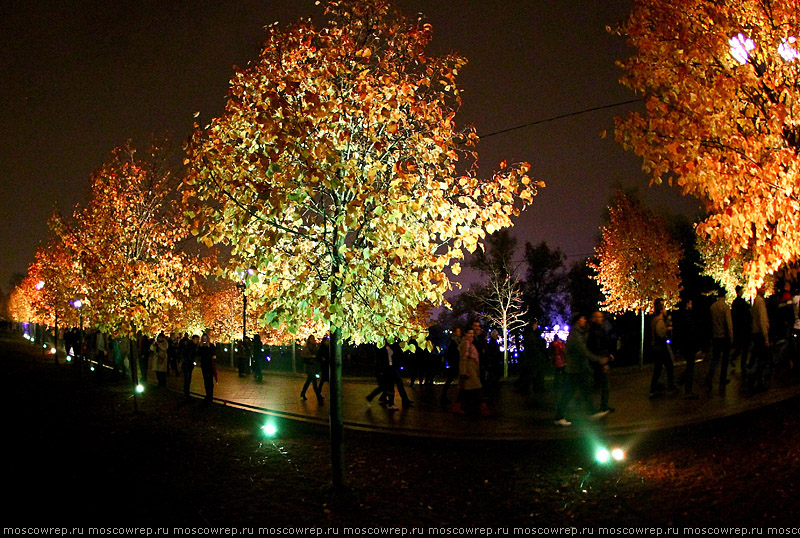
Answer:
(78, 453)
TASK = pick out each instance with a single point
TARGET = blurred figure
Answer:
(557, 356)
(160, 355)
(309, 356)
(756, 375)
(600, 344)
(577, 372)
(208, 354)
(662, 358)
(742, 331)
(469, 374)
(451, 359)
(721, 338)
(688, 343)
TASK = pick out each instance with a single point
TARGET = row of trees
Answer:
(342, 194)
(335, 189)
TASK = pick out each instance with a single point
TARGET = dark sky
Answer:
(78, 78)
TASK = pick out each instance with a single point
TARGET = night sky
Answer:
(78, 78)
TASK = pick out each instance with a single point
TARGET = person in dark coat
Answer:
(687, 339)
(742, 330)
(188, 352)
(309, 356)
(599, 343)
(323, 364)
(257, 357)
(208, 354)
(451, 358)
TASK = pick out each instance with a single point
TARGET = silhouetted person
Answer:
(742, 331)
(721, 338)
(662, 358)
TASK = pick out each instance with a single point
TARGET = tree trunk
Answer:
(336, 421)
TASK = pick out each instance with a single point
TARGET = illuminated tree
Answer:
(21, 301)
(721, 119)
(128, 242)
(726, 271)
(60, 276)
(637, 261)
(501, 299)
(332, 171)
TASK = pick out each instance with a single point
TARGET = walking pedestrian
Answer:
(721, 338)
(577, 372)
(662, 357)
(257, 357)
(558, 356)
(600, 344)
(742, 331)
(757, 374)
(160, 358)
(208, 354)
(688, 343)
(451, 359)
(188, 350)
(309, 355)
(469, 373)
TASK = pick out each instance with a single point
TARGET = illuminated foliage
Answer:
(332, 171)
(21, 301)
(721, 87)
(60, 275)
(726, 271)
(127, 241)
(637, 260)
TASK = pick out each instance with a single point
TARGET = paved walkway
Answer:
(517, 417)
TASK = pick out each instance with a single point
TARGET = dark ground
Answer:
(78, 454)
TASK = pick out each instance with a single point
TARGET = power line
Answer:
(561, 116)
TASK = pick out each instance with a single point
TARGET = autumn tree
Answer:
(58, 277)
(128, 241)
(721, 119)
(637, 260)
(333, 172)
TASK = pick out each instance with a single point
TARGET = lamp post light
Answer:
(242, 286)
(77, 304)
(741, 46)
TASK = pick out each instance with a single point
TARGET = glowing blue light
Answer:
(603, 455)
(140, 388)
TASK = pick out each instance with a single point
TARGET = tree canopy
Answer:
(337, 171)
(721, 119)
(637, 260)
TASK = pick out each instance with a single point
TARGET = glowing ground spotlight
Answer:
(139, 388)
(269, 429)
(604, 455)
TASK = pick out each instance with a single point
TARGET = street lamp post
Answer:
(77, 304)
(242, 286)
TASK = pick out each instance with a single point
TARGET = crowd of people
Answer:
(133, 357)
(761, 336)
